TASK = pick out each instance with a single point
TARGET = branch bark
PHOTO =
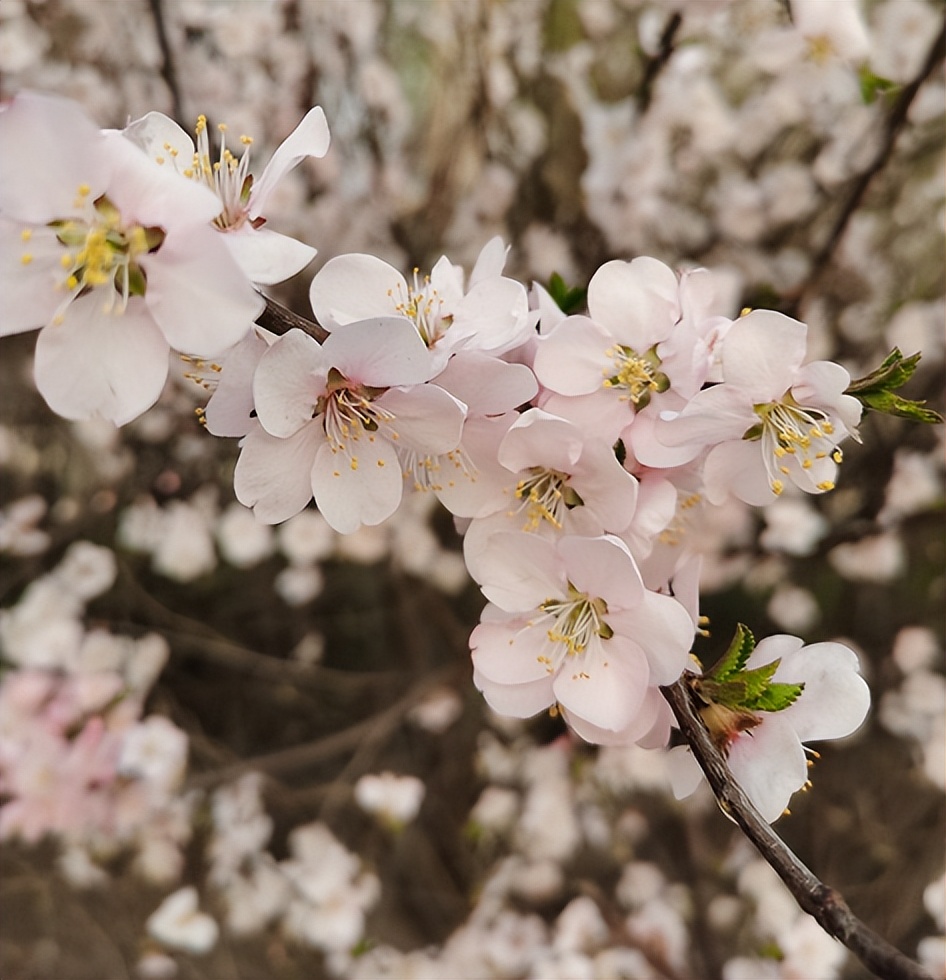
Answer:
(892, 128)
(819, 900)
(278, 319)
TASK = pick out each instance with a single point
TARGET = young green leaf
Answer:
(734, 659)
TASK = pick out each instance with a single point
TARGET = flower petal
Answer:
(288, 382)
(273, 476)
(356, 287)
(265, 256)
(769, 764)
(603, 568)
(426, 418)
(97, 364)
(508, 653)
(606, 684)
(761, 353)
(50, 148)
(197, 293)
(310, 138)
(363, 488)
(516, 700)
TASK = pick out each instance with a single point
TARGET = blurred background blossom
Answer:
(232, 752)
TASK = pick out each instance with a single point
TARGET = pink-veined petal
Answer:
(571, 360)
(540, 439)
(98, 364)
(50, 148)
(356, 287)
(684, 772)
(288, 382)
(711, 416)
(473, 484)
(761, 353)
(662, 627)
(769, 764)
(30, 286)
(836, 698)
(229, 411)
(516, 700)
(360, 486)
(647, 717)
(606, 488)
(737, 468)
(273, 476)
(490, 262)
(636, 302)
(518, 571)
(265, 256)
(380, 353)
(487, 385)
(198, 295)
(603, 568)
(426, 418)
(157, 135)
(606, 684)
(508, 653)
(310, 138)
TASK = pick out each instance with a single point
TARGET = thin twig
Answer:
(276, 318)
(310, 753)
(894, 124)
(825, 904)
(168, 70)
(655, 64)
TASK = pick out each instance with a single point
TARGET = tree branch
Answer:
(892, 128)
(822, 902)
(277, 318)
(168, 70)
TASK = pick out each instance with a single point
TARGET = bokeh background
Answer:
(806, 167)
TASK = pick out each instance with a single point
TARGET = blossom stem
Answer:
(819, 900)
(279, 320)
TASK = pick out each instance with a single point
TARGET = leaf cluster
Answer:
(730, 684)
(876, 390)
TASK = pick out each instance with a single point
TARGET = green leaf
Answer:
(873, 85)
(569, 299)
(778, 696)
(734, 659)
(895, 371)
(904, 408)
(876, 390)
(757, 682)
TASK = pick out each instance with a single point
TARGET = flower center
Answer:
(636, 375)
(228, 176)
(796, 435)
(100, 250)
(575, 621)
(349, 414)
(545, 496)
(422, 305)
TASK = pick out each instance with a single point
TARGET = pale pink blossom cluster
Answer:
(80, 760)
(575, 451)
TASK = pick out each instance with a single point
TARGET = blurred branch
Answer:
(168, 70)
(377, 727)
(822, 902)
(894, 124)
(657, 62)
(278, 319)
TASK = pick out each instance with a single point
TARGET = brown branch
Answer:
(822, 902)
(168, 70)
(276, 318)
(892, 128)
(656, 64)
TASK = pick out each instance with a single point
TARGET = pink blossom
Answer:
(264, 255)
(331, 417)
(768, 760)
(571, 622)
(113, 257)
(774, 418)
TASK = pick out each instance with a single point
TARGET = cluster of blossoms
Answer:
(79, 760)
(576, 451)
